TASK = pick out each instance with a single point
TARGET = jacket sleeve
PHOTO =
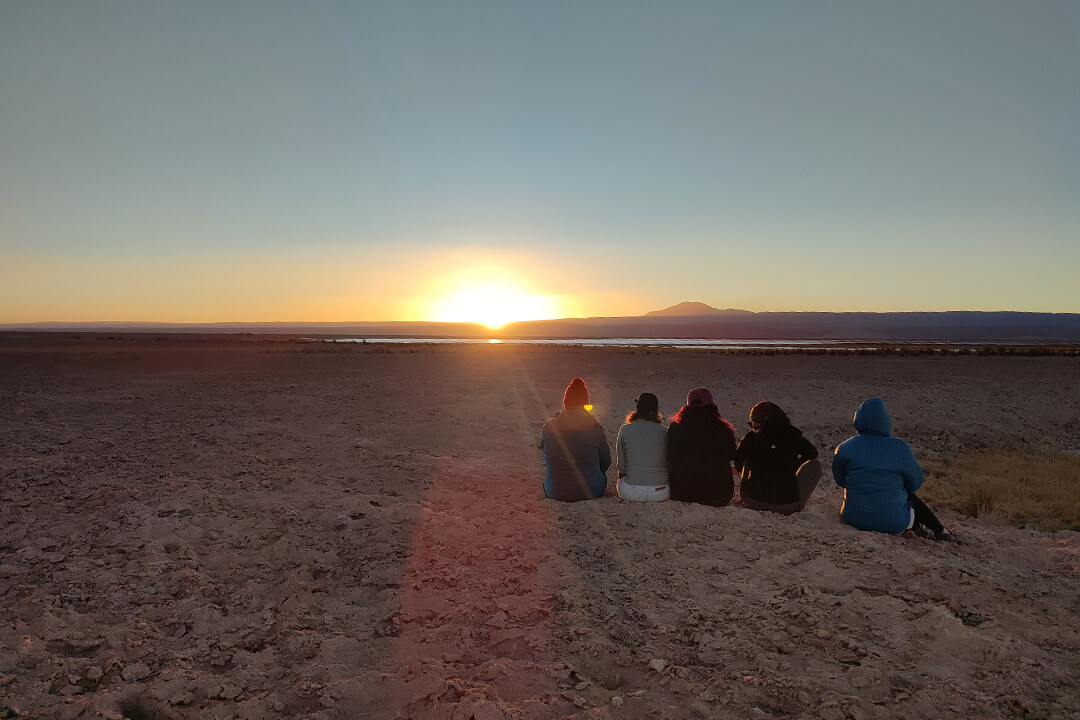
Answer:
(806, 450)
(620, 453)
(729, 443)
(605, 449)
(913, 473)
(740, 452)
(839, 466)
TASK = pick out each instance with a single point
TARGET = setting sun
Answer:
(493, 303)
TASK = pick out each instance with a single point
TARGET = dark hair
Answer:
(769, 412)
(704, 414)
(647, 407)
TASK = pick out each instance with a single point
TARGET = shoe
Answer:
(946, 536)
(920, 530)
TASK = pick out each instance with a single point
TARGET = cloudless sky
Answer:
(263, 160)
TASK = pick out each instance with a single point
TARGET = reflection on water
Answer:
(688, 343)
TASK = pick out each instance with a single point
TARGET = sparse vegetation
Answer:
(1028, 488)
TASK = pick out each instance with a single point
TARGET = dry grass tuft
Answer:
(1036, 489)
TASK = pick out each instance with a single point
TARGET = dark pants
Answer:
(924, 515)
(806, 479)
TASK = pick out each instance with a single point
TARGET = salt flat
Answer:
(245, 527)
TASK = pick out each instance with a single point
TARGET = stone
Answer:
(135, 671)
(616, 701)
(700, 709)
(184, 698)
(657, 664)
(831, 712)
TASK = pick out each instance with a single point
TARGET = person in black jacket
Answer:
(701, 447)
(779, 466)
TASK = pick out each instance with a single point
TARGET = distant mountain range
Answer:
(685, 320)
(695, 309)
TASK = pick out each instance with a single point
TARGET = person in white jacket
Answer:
(641, 453)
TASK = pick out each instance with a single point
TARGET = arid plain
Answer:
(256, 527)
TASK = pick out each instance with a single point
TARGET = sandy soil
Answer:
(199, 527)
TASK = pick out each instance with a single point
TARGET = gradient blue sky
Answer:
(262, 160)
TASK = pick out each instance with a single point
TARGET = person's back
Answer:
(642, 453)
(878, 473)
(701, 446)
(575, 449)
(779, 465)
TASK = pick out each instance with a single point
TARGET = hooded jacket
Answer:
(577, 455)
(877, 472)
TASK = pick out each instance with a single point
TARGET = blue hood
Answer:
(873, 419)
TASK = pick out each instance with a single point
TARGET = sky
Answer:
(257, 160)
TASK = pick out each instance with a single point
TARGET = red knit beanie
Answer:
(576, 395)
(699, 396)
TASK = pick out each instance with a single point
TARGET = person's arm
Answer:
(913, 472)
(740, 452)
(605, 449)
(839, 466)
(674, 448)
(620, 453)
(731, 451)
(806, 450)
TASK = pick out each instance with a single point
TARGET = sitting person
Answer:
(701, 445)
(779, 466)
(641, 453)
(880, 475)
(575, 449)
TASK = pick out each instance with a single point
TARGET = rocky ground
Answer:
(199, 527)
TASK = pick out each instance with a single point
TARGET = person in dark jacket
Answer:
(575, 448)
(701, 446)
(779, 466)
(880, 475)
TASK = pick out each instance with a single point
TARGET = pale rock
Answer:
(831, 712)
(135, 671)
(616, 701)
(657, 664)
(184, 698)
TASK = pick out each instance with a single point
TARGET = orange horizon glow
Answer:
(491, 296)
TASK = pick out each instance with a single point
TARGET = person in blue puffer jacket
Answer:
(880, 475)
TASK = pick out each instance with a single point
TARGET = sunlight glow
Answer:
(493, 303)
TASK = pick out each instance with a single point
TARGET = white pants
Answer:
(643, 493)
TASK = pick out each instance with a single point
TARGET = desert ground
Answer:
(254, 527)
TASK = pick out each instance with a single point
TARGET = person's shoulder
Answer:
(847, 444)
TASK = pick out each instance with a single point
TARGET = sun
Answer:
(493, 302)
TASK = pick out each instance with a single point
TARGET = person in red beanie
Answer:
(575, 448)
(701, 447)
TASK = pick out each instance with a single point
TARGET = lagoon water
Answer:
(684, 343)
